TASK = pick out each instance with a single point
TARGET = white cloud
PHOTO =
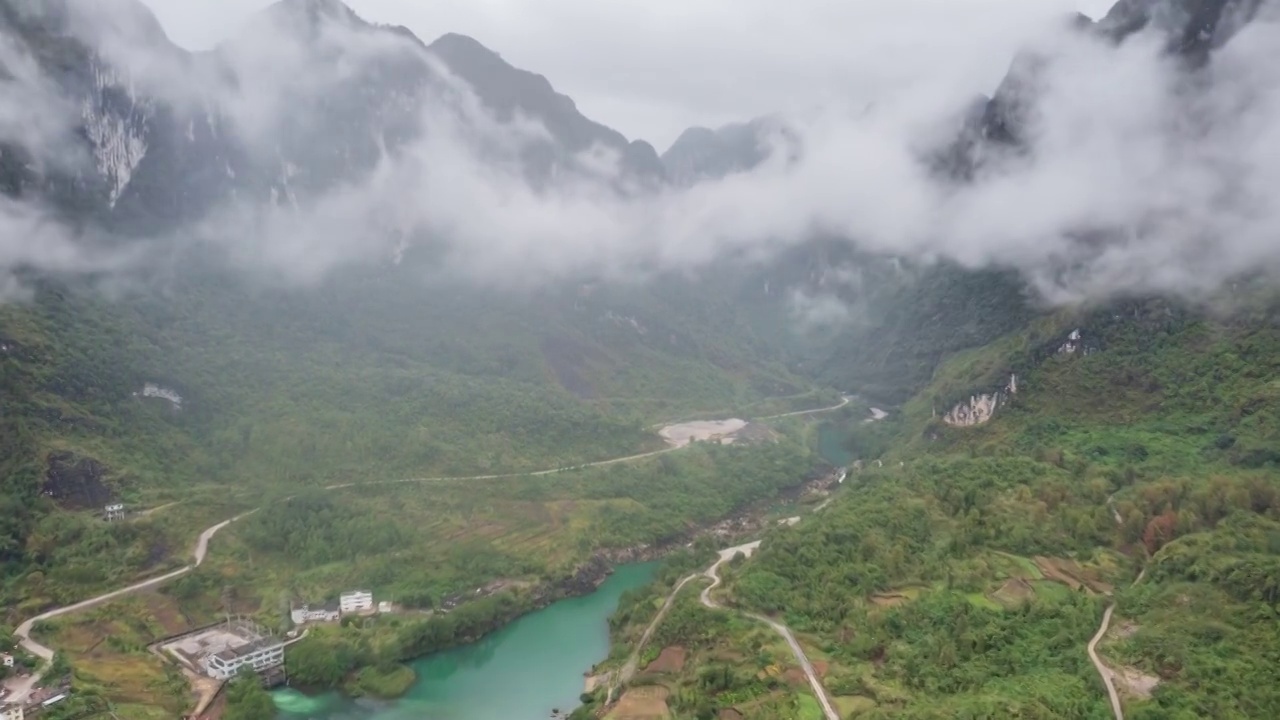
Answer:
(1121, 140)
(657, 67)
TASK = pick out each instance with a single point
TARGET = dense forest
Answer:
(963, 570)
(283, 389)
(418, 544)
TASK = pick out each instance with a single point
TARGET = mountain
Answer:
(703, 154)
(218, 383)
(309, 97)
(511, 93)
(1031, 461)
(996, 126)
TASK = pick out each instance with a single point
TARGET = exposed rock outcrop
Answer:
(979, 409)
(75, 481)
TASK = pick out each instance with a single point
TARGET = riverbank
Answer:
(522, 671)
(471, 617)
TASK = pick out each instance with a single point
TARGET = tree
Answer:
(246, 700)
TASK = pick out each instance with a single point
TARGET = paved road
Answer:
(24, 630)
(202, 546)
(844, 400)
(553, 471)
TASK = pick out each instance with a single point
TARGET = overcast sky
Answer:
(651, 68)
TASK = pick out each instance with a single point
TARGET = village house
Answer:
(7, 659)
(355, 601)
(12, 712)
(328, 612)
(267, 652)
(113, 512)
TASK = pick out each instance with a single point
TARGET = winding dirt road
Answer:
(713, 572)
(1108, 677)
(633, 662)
(24, 630)
(1102, 669)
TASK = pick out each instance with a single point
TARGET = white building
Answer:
(7, 659)
(329, 612)
(11, 712)
(356, 601)
(260, 654)
(386, 607)
(114, 511)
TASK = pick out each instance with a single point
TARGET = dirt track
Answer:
(23, 631)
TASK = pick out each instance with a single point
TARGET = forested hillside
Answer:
(966, 568)
(287, 389)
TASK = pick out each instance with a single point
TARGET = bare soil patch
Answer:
(729, 714)
(670, 660)
(682, 434)
(1014, 591)
(1071, 574)
(642, 703)
(1125, 630)
(888, 600)
(1133, 682)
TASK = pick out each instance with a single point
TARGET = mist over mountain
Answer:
(1003, 350)
(1114, 158)
(313, 110)
(704, 154)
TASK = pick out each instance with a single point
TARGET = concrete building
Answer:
(113, 512)
(12, 712)
(355, 601)
(329, 612)
(261, 654)
(7, 659)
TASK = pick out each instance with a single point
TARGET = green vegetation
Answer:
(288, 389)
(246, 700)
(382, 681)
(964, 576)
(420, 543)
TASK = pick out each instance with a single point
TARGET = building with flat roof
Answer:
(259, 655)
(12, 712)
(356, 601)
(328, 612)
(114, 511)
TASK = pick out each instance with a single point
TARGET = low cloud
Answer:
(1138, 176)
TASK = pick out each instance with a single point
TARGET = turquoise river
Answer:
(521, 672)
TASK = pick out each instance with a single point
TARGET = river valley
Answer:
(521, 672)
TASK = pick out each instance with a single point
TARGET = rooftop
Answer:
(248, 649)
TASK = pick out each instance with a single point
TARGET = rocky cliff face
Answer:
(980, 408)
(997, 126)
(308, 97)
